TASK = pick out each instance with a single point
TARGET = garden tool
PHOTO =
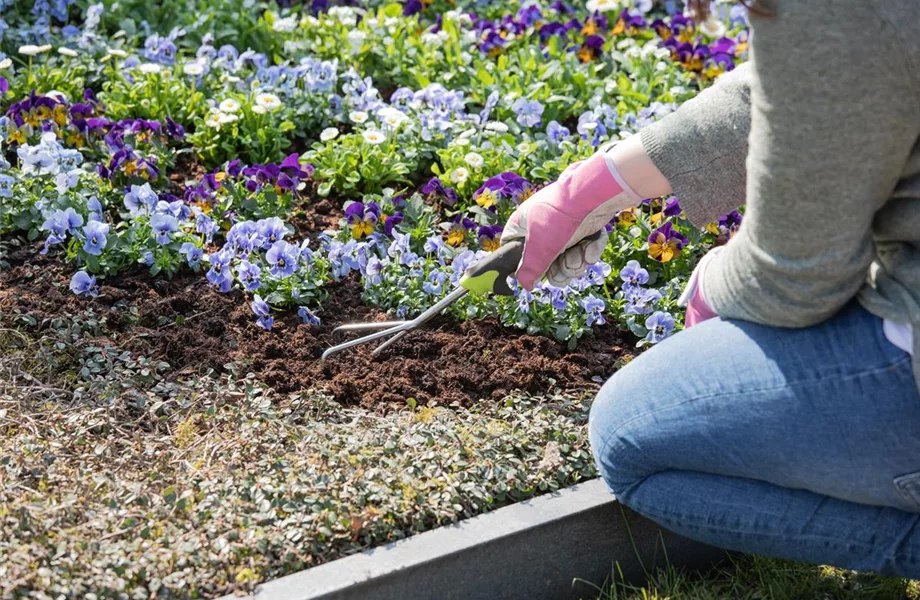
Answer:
(488, 275)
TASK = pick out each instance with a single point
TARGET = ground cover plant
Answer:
(193, 193)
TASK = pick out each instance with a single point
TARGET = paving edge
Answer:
(547, 547)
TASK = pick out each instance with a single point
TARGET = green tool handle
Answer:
(492, 272)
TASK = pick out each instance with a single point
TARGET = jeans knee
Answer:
(614, 430)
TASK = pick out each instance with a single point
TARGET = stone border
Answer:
(547, 547)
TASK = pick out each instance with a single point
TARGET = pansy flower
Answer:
(219, 274)
(659, 326)
(435, 283)
(435, 189)
(671, 208)
(283, 258)
(633, 274)
(490, 237)
(84, 284)
(594, 308)
(262, 312)
(665, 244)
(458, 230)
(717, 64)
(391, 221)
(271, 230)
(639, 300)
(163, 227)
(95, 237)
(249, 275)
(362, 218)
(192, 254)
(591, 48)
(307, 316)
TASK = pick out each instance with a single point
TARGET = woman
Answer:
(786, 419)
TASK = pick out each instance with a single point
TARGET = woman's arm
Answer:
(835, 113)
(696, 152)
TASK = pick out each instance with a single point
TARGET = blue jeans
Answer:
(800, 444)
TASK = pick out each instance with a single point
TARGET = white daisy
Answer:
(459, 175)
(68, 52)
(32, 50)
(358, 116)
(474, 159)
(268, 101)
(285, 25)
(603, 5)
(713, 27)
(149, 68)
(193, 69)
(330, 133)
(497, 126)
(229, 105)
(374, 137)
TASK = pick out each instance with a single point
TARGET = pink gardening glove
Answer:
(694, 298)
(553, 221)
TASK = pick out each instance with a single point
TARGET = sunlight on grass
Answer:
(755, 577)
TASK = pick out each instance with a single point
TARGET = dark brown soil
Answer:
(194, 328)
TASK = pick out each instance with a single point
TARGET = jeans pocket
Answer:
(909, 488)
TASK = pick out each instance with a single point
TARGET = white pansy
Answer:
(229, 105)
(68, 52)
(149, 68)
(459, 175)
(374, 137)
(474, 159)
(358, 116)
(328, 134)
(268, 101)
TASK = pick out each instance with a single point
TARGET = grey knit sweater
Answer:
(818, 136)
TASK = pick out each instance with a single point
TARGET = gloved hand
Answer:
(694, 298)
(556, 219)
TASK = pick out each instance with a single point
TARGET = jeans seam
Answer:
(681, 520)
(897, 363)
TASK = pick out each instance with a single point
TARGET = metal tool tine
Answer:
(365, 327)
(401, 328)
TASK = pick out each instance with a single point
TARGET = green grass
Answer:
(760, 578)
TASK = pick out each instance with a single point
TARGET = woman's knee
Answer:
(617, 429)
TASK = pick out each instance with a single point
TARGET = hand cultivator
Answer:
(488, 275)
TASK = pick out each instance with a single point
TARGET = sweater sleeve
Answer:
(834, 115)
(700, 148)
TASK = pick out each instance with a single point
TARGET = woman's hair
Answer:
(699, 9)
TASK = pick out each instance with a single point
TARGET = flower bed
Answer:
(183, 208)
